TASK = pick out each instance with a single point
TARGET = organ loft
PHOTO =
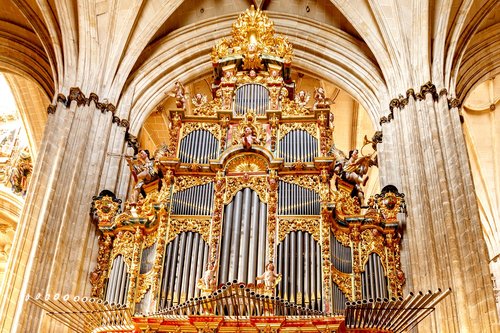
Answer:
(248, 219)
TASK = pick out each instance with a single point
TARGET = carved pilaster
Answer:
(272, 209)
(98, 276)
(135, 266)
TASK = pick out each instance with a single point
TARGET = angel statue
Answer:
(180, 95)
(352, 169)
(270, 278)
(143, 170)
(320, 100)
(207, 282)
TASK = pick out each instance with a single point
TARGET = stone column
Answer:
(56, 245)
(423, 153)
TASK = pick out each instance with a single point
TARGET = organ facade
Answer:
(250, 219)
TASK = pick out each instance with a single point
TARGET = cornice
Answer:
(75, 94)
(428, 88)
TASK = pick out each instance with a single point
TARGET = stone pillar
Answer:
(423, 153)
(56, 245)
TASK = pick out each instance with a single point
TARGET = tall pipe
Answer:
(180, 269)
(312, 251)
(319, 285)
(293, 268)
(245, 236)
(300, 268)
(226, 243)
(172, 270)
(307, 269)
(254, 237)
(262, 258)
(286, 269)
(193, 266)
(235, 237)
(199, 264)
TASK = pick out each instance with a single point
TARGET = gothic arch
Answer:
(339, 57)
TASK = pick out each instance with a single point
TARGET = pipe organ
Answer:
(250, 197)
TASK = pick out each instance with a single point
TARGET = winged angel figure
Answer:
(353, 169)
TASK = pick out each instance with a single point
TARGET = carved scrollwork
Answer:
(345, 204)
(372, 242)
(184, 182)
(311, 182)
(124, 244)
(256, 183)
(310, 225)
(191, 126)
(285, 128)
(177, 226)
(343, 281)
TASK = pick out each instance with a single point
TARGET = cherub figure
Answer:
(270, 278)
(302, 98)
(199, 100)
(180, 95)
(208, 280)
(248, 138)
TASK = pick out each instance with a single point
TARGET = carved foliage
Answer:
(256, 183)
(184, 182)
(191, 126)
(285, 128)
(177, 226)
(310, 225)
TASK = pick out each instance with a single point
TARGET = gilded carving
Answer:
(253, 35)
(175, 127)
(134, 268)
(106, 208)
(372, 241)
(200, 225)
(192, 126)
(389, 204)
(295, 108)
(124, 244)
(216, 227)
(311, 182)
(310, 225)
(98, 276)
(256, 183)
(247, 163)
(286, 128)
(345, 204)
(184, 182)
(343, 281)
(272, 208)
(240, 132)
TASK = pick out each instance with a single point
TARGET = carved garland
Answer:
(191, 127)
(177, 226)
(215, 232)
(272, 208)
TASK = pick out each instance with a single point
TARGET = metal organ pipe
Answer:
(235, 237)
(193, 265)
(179, 271)
(318, 278)
(307, 269)
(293, 272)
(173, 265)
(300, 268)
(226, 242)
(245, 234)
(254, 234)
(261, 259)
